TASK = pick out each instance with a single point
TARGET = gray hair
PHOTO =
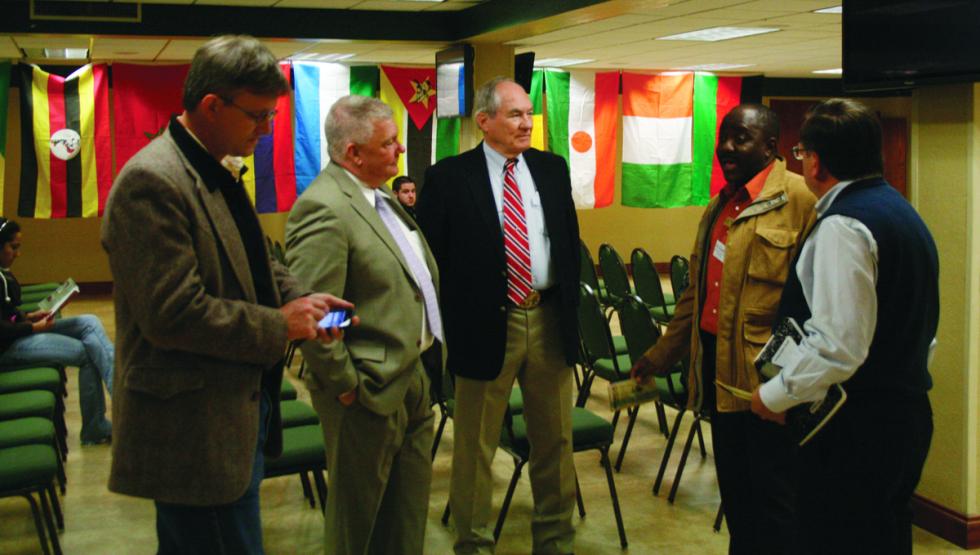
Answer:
(351, 120)
(230, 63)
(486, 100)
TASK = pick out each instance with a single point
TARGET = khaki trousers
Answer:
(534, 357)
(379, 470)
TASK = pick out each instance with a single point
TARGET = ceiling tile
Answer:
(8, 49)
(322, 4)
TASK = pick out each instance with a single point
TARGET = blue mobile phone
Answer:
(336, 319)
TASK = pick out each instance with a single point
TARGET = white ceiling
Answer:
(615, 34)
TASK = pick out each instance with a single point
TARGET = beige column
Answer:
(945, 189)
(490, 60)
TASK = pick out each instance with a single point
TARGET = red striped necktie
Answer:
(515, 238)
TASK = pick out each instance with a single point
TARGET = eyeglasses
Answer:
(258, 117)
(798, 151)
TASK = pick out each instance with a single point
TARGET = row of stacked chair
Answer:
(33, 436)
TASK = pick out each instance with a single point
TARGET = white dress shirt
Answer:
(416, 243)
(542, 267)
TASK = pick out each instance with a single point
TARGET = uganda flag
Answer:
(66, 159)
(4, 92)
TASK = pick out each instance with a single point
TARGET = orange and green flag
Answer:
(4, 93)
(66, 158)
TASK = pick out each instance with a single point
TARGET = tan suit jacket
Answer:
(337, 243)
(191, 341)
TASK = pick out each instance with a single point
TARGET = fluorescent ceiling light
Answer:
(715, 34)
(57, 53)
(835, 71)
(832, 9)
(314, 57)
(560, 62)
(714, 67)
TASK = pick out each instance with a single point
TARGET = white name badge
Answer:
(719, 251)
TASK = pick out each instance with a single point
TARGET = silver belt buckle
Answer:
(532, 300)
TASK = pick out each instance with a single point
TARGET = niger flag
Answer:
(66, 160)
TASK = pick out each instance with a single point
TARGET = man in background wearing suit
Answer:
(203, 314)
(347, 234)
(865, 289)
(502, 225)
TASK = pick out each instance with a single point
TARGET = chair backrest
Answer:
(680, 275)
(587, 273)
(647, 280)
(593, 326)
(614, 272)
(638, 327)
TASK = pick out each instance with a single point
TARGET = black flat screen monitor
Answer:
(454, 81)
(892, 44)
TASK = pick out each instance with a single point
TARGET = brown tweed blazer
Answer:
(191, 342)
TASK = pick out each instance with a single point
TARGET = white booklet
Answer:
(59, 298)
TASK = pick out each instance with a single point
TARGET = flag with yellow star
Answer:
(416, 87)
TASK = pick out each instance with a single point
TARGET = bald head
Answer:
(747, 142)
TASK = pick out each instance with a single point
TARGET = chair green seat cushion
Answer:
(297, 413)
(288, 391)
(605, 369)
(26, 466)
(588, 430)
(26, 431)
(669, 299)
(619, 345)
(48, 287)
(302, 446)
(27, 379)
(26, 403)
(28, 307)
(680, 388)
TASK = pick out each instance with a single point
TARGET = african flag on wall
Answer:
(411, 94)
(4, 93)
(66, 160)
(271, 179)
(145, 97)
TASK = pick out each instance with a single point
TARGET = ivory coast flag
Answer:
(317, 86)
(713, 98)
(66, 158)
(4, 93)
(582, 113)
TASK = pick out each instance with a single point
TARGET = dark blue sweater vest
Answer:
(907, 290)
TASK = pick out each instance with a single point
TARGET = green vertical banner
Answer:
(4, 94)
(556, 83)
(365, 80)
(705, 124)
(537, 105)
(447, 137)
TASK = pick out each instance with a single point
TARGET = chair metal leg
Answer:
(307, 490)
(302, 369)
(518, 465)
(62, 477)
(439, 430)
(680, 467)
(578, 379)
(583, 393)
(60, 518)
(38, 525)
(52, 531)
(719, 517)
(662, 418)
(604, 457)
(615, 420)
(704, 452)
(578, 499)
(667, 450)
(445, 515)
(633, 412)
(321, 489)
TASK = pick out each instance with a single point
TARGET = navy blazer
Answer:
(458, 215)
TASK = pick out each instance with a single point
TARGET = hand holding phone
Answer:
(336, 319)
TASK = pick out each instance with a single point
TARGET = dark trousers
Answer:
(755, 462)
(858, 475)
(235, 528)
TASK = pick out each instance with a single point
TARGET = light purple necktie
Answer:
(421, 272)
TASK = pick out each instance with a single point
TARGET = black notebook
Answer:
(804, 421)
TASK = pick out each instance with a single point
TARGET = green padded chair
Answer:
(589, 431)
(26, 471)
(614, 274)
(44, 379)
(599, 354)
(648, 287)
(29, 431)
(589, 276)
(447, 406)
(287, 392)
(47, 288)
(302, 453)
(297, 413)
(680, 275)
(30, 403)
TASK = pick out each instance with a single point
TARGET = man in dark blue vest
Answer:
(864, 288)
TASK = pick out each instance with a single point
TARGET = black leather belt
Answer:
(535, 298)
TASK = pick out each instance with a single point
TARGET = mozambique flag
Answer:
(4, 93)
(317, 87)
(411, 94)
(66, 160)
(145, 97)
(271, 181)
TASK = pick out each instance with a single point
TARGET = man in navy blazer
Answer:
(502, 226)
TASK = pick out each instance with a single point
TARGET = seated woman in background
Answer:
(36, 339)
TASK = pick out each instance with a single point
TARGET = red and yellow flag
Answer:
(66, 160)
